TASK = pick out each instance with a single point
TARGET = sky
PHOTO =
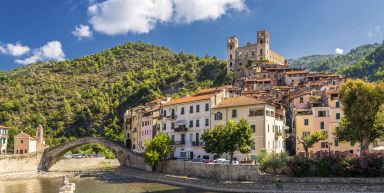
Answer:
(57, 30)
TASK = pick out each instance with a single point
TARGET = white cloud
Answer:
(82, 31)
(193, 10)
(51, 51)
(339, 51)
(113, 17)
(14, 49)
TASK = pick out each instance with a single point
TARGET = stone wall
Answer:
(213, 171)
(20, 163)
(72, 164)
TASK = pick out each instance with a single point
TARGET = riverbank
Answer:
(265, 184)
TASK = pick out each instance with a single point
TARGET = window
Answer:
(256, 112)
(306, 122)
(164, 126)
(183, 154)
(173, 125)
(337, 104)
(218, 116)
(253, 147)
(253, 127)
(190, 123)
(173, 113)
(21, 141)
(230, 56)
(268, 128)
(206, 106)
(337, 115)
(230, 64)
(322, 125)
(173, 138)
(230, 47)
(182, 110)
(234, 113)
(197, 123)
(301, 99)
(324, 144)
(334, 82)
(306, 133)
(165, 113)
(336, 143)
(190, 109)
(206, 122)
(197, 108)
(261, 51)
(321, 113)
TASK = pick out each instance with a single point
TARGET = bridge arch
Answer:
(125, 156)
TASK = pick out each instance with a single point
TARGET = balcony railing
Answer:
(181, 129)
(197, 143)
(172, 116)
(178, 143)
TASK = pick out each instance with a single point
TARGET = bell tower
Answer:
(40, 134)
(232, 45)
(263, 45)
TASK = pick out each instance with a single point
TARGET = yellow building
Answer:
(324, 118)
(267, 122)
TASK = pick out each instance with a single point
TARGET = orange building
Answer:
(25, 143)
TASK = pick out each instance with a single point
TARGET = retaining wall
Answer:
(20, 163)
(212, 171)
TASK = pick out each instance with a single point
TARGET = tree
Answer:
(229, 138)
(157, 149)
(309, 140)
(361, 103)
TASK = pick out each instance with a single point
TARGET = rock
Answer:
(66, 187)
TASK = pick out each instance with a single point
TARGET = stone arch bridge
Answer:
(125, 156)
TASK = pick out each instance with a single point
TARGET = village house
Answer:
(3, 139)
(185, 119)
(266, 121)
(24, 143)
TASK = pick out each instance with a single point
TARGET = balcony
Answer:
(178, 142)
(198, 143)
(278, 134)
(172, 117)
(181, 128)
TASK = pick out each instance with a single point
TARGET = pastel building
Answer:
(24, 143)
(185, 119)
(266, 121)
(323, 113)
(3, 139)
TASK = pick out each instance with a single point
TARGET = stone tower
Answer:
(263, 45)
(40, 134)
(232, 45)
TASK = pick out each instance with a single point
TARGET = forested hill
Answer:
(333, 62)
(88, 96)
(370, 67)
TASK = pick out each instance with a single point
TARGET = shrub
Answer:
(272, 162)
(299, 166)
(370, 165)
(328, 164)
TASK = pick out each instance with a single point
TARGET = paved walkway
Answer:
(254, 187)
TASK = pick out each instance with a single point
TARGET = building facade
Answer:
(185, 119)
(24, 143)
(3, 139)
(239, 58)
(266, 121)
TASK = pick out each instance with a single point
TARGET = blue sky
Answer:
(45, 29)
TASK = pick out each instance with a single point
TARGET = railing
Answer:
(181, 129)
(178, 143)
(171, 116)
(198, 143)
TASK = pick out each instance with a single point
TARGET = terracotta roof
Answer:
(281, 87)
(297, 72)
(188, 99)
(238, 101)
(22, 134)
(258, 80)
(212, 90)
(3, 127)
(298, 94)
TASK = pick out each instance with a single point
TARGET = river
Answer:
(91, 185)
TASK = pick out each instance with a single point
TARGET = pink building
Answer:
(25, 143)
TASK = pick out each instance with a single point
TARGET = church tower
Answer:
(263, 45)
(40, 134)
(232, 45)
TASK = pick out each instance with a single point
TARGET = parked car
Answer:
(206, 161)
(197, 160)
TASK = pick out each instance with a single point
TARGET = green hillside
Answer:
(370, 67)
(332, 62)
(88, 96)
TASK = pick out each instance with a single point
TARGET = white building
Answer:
(3, 139)
(185, 119)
